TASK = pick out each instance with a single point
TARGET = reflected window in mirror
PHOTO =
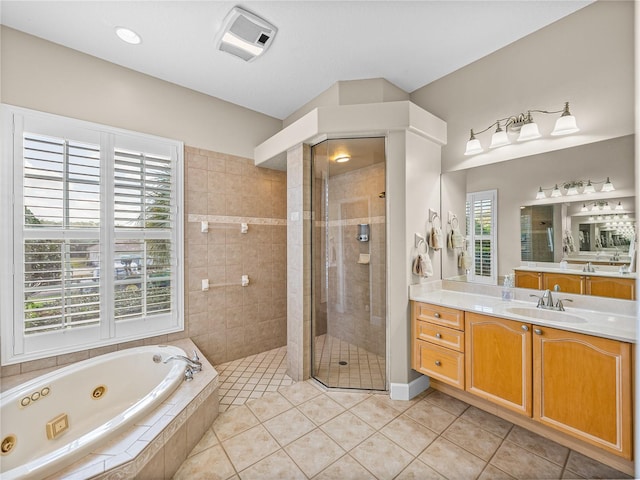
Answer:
(481, 215)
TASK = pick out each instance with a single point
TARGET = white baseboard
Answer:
(406, 391)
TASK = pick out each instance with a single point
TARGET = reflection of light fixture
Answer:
(619, 206)
(523, 124)
(342, 158)
(608, 186)
(584, 208)
(573, 187)
(127, 35)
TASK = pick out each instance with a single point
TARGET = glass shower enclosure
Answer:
(348, 249)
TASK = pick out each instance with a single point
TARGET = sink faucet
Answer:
(589, 268)
(193, 363)
(546, 301)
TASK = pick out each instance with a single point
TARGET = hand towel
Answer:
(456, 238)
(436, 238)
(464, 260)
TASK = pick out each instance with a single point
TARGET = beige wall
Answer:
(586, 58)
(230, 321)
(44, 76)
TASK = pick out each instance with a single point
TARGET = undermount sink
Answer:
(551, 315)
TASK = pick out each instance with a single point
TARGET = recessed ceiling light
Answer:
(342, 158)
(128, 35)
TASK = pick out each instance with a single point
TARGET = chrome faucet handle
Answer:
(560, 304)
(195, 356)
(188, 374)
(540, 300)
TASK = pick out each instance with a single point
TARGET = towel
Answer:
(464, 260)
(435, 239)
(456, 239)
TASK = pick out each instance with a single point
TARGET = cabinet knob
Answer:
(437, 315)
(537, 331)
(438, 335)
(525, 328)
(438, 363)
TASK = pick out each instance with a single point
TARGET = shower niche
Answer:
(348, 247)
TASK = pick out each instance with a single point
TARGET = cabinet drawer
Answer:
(443, 336)
(439, 363)
(448, 317)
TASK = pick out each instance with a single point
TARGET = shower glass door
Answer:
(348, 263)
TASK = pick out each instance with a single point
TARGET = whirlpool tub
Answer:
(65, 416)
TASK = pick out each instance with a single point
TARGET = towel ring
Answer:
(422, 245)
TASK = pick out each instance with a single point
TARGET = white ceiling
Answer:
(410, 43)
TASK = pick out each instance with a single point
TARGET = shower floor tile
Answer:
(339, 364)
(252, 377)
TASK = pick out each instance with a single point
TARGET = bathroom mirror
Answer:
(517, 182)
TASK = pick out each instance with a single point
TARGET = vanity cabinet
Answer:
(582, 387)
(438, 342)
(585, 284)
(577, 384)
(525, 279)
(498, 361)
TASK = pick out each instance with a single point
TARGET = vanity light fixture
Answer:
(129, 36)
(574, 187)
(619, 206)
(525, 126)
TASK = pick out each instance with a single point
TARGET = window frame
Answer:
(472, 197)
(18, 347)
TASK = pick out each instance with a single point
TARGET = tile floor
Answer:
(363, 369)
(302, 431)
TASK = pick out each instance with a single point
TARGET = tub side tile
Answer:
(117, 465)
(175, 451)
(86, 467)
(137, 447)
(122, 442)
(157, 430)
(154, 468)
(156, 415)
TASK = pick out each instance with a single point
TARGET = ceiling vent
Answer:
(245, 35)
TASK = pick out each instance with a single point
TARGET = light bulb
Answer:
(540, 195)
(572, 190)
(127, 35)
(556, 192)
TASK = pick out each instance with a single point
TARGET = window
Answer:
(481, 210)
(93, 237)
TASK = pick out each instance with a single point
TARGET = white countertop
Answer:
(601, 324)
(572, 270)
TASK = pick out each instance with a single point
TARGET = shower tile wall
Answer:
(357, 295)
(230, 321)
(227, 322)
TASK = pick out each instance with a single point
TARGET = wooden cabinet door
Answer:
(611, 287)
(582, 386)
(498, 361)
(526, 279)
(567, 283)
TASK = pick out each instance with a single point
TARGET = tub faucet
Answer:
(193, 363)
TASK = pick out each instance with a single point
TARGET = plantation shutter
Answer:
(61, 195)
(481, 225)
